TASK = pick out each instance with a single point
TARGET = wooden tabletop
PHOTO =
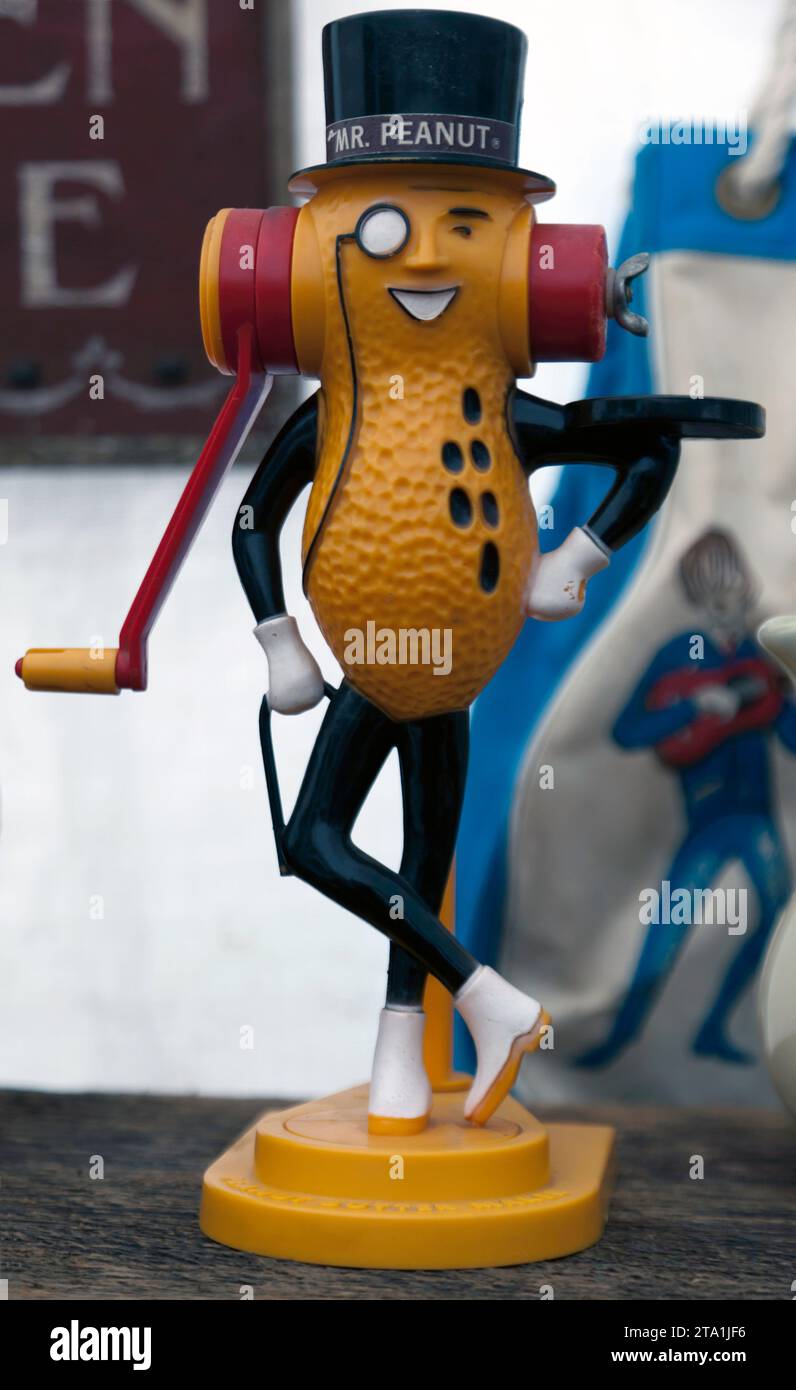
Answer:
(134, 1233)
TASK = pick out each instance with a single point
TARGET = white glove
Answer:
(295, 682)
(717, 699)
(557, 586)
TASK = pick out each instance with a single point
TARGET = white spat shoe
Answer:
(505, 1024)
(400, 1091)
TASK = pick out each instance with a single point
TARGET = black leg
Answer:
(433, 754)
(353, 742)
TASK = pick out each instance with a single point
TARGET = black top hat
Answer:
(423, 86)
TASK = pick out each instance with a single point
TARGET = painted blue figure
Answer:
(708, 704)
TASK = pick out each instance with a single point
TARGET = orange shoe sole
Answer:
(503, 1082)
(390, 1124)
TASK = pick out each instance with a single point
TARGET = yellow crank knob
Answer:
(84, 670)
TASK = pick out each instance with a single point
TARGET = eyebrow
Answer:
(469, 212)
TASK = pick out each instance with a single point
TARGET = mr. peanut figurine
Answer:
(417, 286)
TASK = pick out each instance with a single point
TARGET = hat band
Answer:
(435, 135)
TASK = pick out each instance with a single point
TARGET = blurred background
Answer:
(144, 923)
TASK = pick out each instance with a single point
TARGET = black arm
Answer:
(285, 471)
(643, 454)
(637, 436)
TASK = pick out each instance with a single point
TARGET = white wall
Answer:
(144, 800)
(155, 803)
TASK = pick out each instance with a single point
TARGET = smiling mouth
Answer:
(425, 304)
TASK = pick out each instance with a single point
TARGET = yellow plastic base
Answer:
(310, 1183)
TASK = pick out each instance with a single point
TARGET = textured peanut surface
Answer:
(407, 542)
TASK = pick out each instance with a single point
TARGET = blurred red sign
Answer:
(124, 126)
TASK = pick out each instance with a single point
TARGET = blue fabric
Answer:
(673, 208)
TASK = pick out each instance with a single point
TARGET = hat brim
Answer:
(537, 187)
